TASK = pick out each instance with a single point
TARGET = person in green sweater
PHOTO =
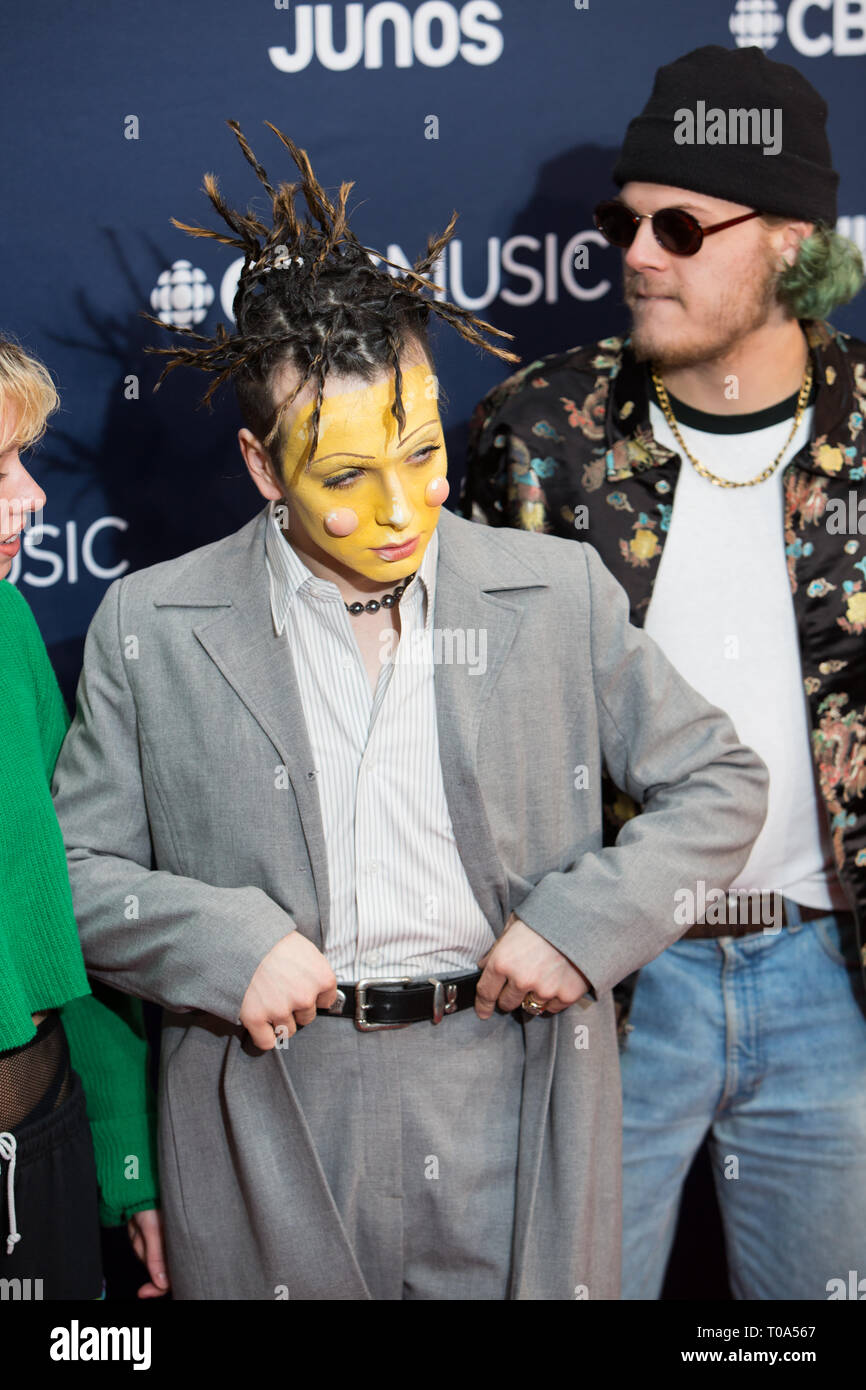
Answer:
(77, 1115)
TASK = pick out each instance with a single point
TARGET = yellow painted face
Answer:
(371, 497)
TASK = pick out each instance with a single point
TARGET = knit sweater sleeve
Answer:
(109, 1050)
(107, 1043)
(53, 715)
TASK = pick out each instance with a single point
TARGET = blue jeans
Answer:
(760, 1042)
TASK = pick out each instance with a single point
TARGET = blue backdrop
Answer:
(511, 112)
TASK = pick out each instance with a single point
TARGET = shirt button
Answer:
(372, 866)
(373, 957)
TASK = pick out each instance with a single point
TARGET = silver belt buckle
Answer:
(444, 998)
(362, 1005)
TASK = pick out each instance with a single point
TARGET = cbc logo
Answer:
(182, 295)
(436, 34)
(759, 22)
(756, 23)
(76, 550)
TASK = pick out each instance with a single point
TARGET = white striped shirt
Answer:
(401, 903)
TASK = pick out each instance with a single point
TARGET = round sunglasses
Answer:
(674, 230)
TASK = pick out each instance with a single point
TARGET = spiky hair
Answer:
(309, 294)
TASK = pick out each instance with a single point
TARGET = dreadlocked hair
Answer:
(310, 295)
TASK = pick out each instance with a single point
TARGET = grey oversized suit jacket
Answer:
(190, 858)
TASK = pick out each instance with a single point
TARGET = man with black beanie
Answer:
(714, 459)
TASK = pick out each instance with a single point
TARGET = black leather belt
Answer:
(703, 930)
(395, 1000)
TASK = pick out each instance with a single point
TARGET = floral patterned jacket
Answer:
(564, 446)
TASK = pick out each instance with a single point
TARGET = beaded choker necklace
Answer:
(374, 604)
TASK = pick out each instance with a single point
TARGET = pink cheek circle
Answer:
(341, 522)
(436, 492)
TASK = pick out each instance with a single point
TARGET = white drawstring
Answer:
(8, 1146)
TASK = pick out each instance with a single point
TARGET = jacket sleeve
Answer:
(704, 799)
(164, 937)
(108, 1048)
(500, 487)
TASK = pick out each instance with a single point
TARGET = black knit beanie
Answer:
(799, 181)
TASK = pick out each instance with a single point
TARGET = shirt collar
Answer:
(291, 577)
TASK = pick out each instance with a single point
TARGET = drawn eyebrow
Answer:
(420, 427)
(344, 454)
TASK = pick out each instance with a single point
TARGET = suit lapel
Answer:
(468, 570)
(258, 665)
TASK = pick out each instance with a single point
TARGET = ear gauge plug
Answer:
(341, 522)
(436, 492)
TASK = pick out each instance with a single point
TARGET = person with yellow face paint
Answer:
(363, 511)
(372, 898)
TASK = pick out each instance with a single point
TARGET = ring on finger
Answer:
(532, 1005)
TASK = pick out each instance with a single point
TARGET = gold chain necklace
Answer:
(665, 404)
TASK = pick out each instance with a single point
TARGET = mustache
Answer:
(636, 284)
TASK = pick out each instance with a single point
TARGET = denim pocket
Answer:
(837, 941)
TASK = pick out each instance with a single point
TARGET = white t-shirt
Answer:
(722, 612)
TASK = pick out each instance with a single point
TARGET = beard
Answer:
(742, 307)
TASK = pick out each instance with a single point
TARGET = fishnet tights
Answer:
(35, 1078)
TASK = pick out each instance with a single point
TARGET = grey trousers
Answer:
(417, 1132)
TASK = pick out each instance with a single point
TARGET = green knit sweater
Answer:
(41, 966)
